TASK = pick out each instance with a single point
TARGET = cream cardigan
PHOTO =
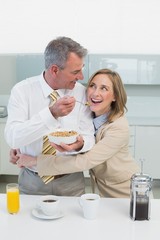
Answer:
(109, 159)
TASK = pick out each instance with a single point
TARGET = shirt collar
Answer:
(47, 90)
(100, 120)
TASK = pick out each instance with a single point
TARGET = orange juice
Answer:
(12, 199)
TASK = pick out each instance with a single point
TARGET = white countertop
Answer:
(142, 111)
(3, 120)
(144, 121)
(140, 121)
(113, 221)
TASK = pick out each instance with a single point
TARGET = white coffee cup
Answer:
(90, 205)
(49, 204)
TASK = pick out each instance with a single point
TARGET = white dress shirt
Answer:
(29, 117)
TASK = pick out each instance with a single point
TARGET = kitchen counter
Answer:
(113, 221)
(141, 110)
(140, 121)
(144, 121)
(3, 120)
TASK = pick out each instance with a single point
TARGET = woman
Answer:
(109, 160)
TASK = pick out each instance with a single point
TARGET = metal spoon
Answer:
(86, 104)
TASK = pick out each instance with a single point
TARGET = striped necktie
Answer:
(47, 148)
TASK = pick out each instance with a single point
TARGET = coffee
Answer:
(49, 200)
(90, 204)
(141, 210)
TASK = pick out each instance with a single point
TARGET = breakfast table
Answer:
(112, 222)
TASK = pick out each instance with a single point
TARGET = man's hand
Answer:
(77, 146)
(13, 155)
(26, 160)
(63, 106)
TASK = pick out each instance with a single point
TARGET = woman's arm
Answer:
(26, 160)
(114, 137)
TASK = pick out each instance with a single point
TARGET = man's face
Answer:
(66, 78)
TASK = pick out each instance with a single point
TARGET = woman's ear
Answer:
(114, 99)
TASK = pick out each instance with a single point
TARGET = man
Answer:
(31, 117)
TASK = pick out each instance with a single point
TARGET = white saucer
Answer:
(39, 214)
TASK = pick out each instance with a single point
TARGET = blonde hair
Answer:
(119, 106)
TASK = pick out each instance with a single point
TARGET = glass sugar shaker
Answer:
(140, 196)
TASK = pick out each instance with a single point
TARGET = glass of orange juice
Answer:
(12, 190)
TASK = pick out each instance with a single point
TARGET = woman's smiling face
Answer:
(100, 94)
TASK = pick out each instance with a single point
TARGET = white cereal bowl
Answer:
(63, 135)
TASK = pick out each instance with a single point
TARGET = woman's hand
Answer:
(76, 146)
(26, 160)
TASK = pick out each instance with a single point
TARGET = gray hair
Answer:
(58, 50)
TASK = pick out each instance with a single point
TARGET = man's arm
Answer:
(23, 128)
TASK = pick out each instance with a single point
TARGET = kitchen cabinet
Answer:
(133, 68)
(147, 146)
(16, 67)
(5, 166)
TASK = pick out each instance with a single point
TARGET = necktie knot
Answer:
(53, 97)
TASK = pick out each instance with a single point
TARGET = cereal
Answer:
(87, 104)
(64, 133)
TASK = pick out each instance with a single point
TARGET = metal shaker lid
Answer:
(141, 178)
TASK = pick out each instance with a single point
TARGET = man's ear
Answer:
(54, 69)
